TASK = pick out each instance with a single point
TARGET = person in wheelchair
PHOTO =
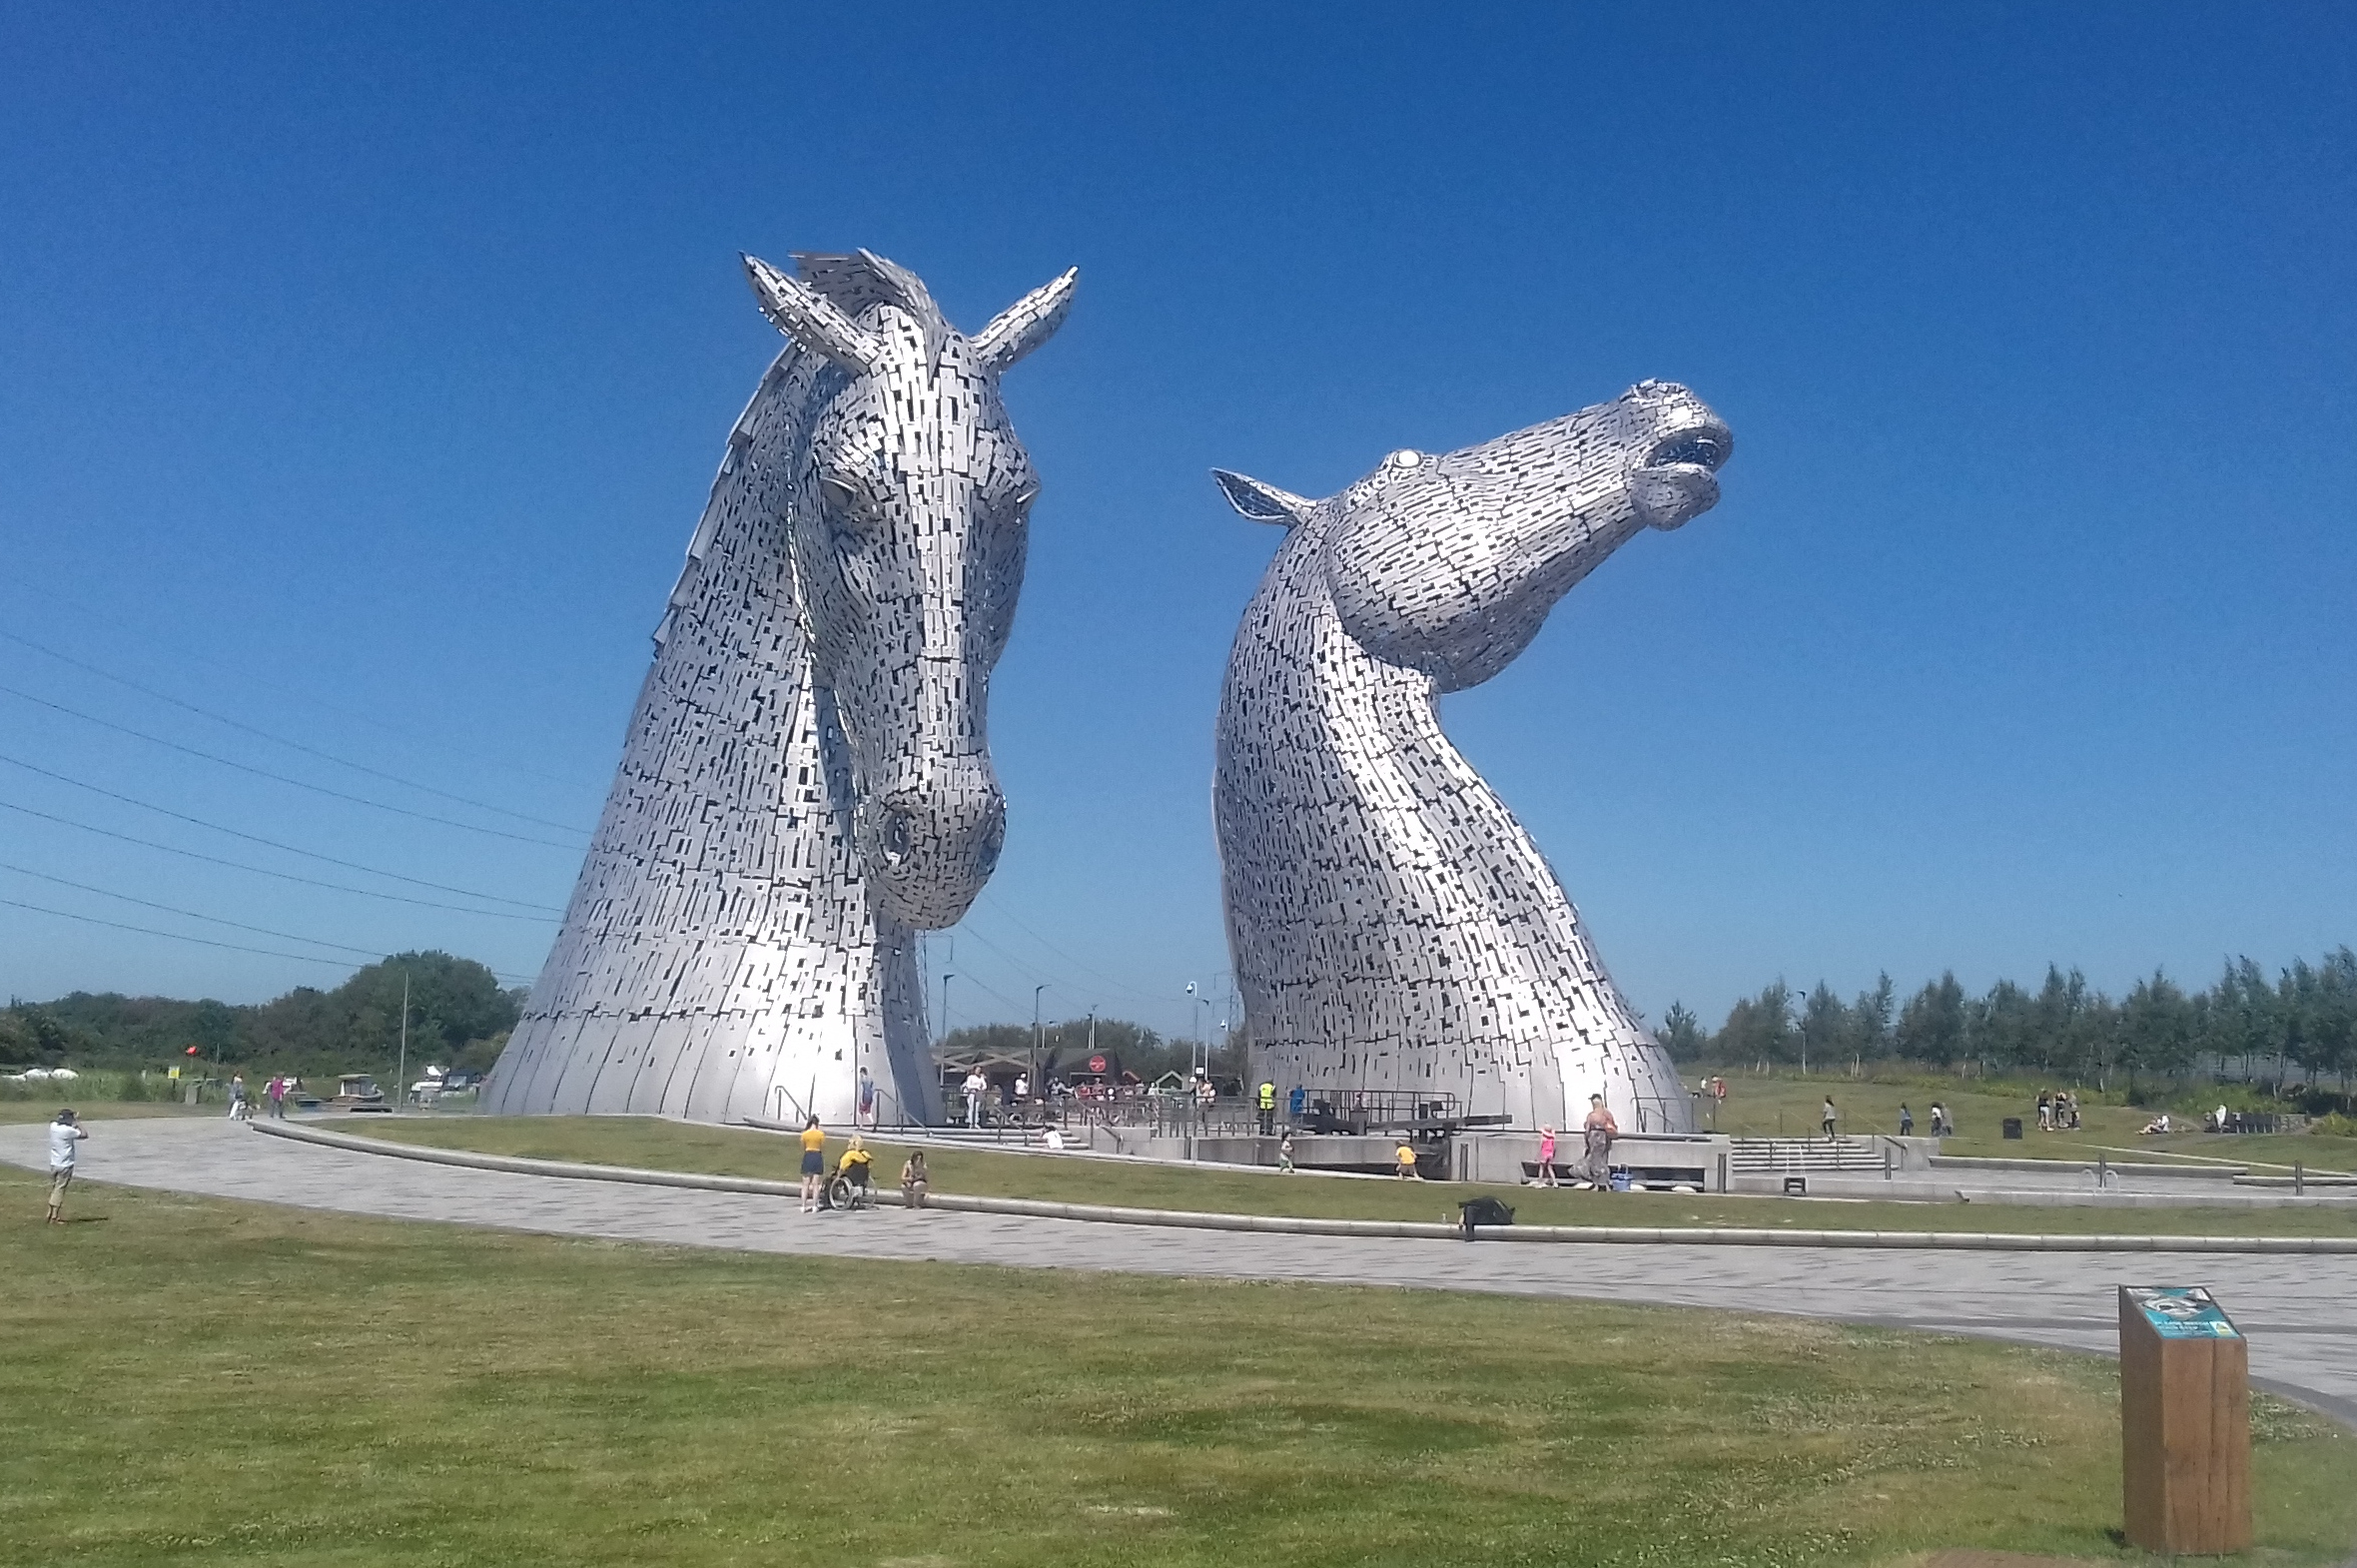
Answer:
(849, 1189)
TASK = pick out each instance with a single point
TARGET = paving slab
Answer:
(2300, 1312)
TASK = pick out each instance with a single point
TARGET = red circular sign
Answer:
(1097, 1064)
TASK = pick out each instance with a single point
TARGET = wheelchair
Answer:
(848, 1189)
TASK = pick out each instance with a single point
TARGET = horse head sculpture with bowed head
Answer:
(806, 780)
(1392, 925)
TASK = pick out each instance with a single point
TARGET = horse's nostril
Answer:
(894, 838)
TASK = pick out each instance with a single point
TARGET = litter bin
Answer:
(2013, 1127)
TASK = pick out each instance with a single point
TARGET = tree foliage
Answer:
(2303, 1022)
(459, 1016)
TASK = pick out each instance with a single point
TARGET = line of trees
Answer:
(459, 1017)
(2301, 1022)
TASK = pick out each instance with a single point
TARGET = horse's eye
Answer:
(839, 495)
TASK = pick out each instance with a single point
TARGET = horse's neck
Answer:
(733, 758)
(1303, 690)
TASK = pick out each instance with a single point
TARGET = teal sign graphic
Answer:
(2182, 1312)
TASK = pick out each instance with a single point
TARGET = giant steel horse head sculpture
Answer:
(1394, 927)
(807, 778)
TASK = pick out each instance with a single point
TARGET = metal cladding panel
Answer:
(805, 780)
(1393, 925)
(601, 1081)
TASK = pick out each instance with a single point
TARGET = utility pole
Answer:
(945, 978)
(1195, 1027)
(401, 1087)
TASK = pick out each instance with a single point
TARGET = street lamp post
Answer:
(945, 978)
(1038, 1039)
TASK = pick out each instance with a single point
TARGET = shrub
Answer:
(2335, 1125)
(134, 1086)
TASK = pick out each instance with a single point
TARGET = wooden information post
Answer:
(2184, 1422)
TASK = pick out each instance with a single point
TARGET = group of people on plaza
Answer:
(1594, 1168)
(1942, 1125)
(2058, 1110)
(274, 1093)
(855, 1167)
(1009, 1100)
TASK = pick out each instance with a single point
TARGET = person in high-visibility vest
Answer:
(1268, 1108)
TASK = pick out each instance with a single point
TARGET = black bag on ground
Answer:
(1483, 1211)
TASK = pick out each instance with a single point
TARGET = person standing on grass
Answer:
(1285, 1151)
(814, 1164)
(1546, 1157)
(1829, 1118)
(1597, 1131)
(65, 1139)
(1906, 1120)
(1405, 1157)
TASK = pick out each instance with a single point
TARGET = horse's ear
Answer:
(1025, 324)
(1261, 502)
(811, 319)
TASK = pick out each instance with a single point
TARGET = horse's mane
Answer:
(852, 283)
(863, 278)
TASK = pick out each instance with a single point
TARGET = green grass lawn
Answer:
(1789, 1106)
(203, 1381)
(672, 1145)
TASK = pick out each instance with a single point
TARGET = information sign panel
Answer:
(2184, 1422)
(2182, 1312)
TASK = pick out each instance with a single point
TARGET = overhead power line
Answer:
(281, 778)
(150, 931)
(252, 838)
(281, 740)
(1104, 980)
(263, 871)
(52, 595)
(371, 954)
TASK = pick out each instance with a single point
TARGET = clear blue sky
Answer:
(363, 370)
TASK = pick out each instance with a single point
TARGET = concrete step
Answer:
(1800, 1155)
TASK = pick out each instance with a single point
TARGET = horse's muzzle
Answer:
(931, 848)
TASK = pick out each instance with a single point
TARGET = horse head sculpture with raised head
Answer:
(807, 778)
(1392, 925)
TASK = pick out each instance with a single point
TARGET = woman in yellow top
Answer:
(814, 1164)
(1405, 1154)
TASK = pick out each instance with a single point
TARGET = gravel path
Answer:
(2300, 1312)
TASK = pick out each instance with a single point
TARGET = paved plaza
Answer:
(2297, 1309)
